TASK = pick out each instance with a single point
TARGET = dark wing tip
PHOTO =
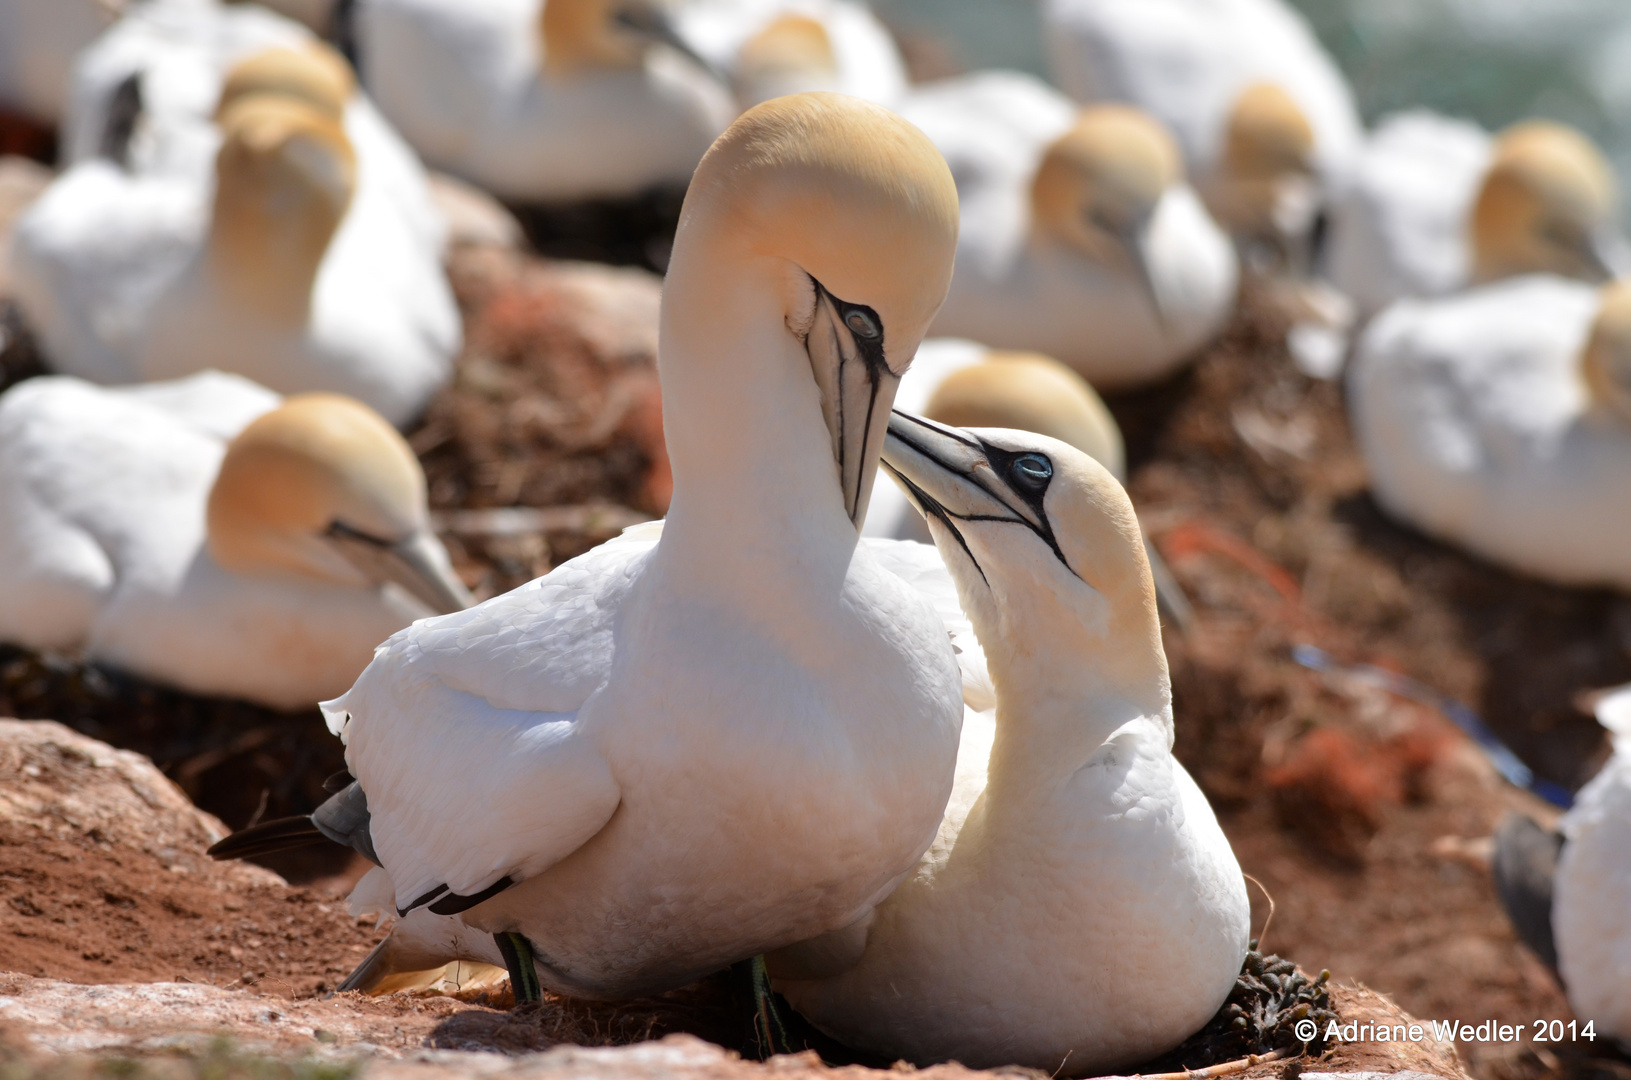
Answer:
(267, 837)
(1525, 864)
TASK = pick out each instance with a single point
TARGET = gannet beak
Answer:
(947, 473)
(858, 387)
(418, 564)
(647, 20)
(1134, 243)
(1608, 253)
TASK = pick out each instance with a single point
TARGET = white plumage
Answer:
(1022, 285)
(1479, 428)
(1592, 890)
(103, 547)
(467, 84)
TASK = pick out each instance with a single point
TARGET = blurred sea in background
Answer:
(1492, 61)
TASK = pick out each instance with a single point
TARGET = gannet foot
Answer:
(517, 953)
(768, 1026)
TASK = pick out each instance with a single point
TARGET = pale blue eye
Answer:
(1031, 472)
(862, 325)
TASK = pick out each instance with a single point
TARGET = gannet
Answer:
(768, 48)
(1266, 121)
(204, 534)
(287, 272)
(689, 746)
(147, 94)
(572, 99)
(1569, 892)
(38, 42)
(1436, 204)
(1500, 420)
(1080, 238)
(1080, 909)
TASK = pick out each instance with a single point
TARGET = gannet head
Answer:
(315, 75)
(323, 488)
(1268, 190)
(1030, 392)
(842, 216)
(1100, 182)
(1547, 204)
(585, 35)
(1606, 363)
(1041, 541)
(792, 54)
(285, 175)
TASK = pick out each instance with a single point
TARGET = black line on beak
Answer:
(933, 508)
(870, 350)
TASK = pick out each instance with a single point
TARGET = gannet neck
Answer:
(1606, 362)
(814, 246)
(1547, 205)
(1050, 567)
(285, 175)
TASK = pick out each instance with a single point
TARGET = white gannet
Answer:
(1265, 119)
(1568, 892)
(965, 384)
(675, 752)
(1500, 420)
(203, 534)
(38, 42)
(284, 273)
(571, 99)
(1080, 909)
(768, 48)
(1080, 238)
(147, 93)
(1436, 204)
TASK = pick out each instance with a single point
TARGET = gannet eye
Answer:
(1030, 472)
(862, 324)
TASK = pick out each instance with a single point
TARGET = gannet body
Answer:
(1080, 239)
(278, 265)
(173, 59)
(1592, 890)
(768, 48)
(1436, 204)
(159, 529)
(38, 42)
(1262, 113)
(1492, 420)
(696, 743)
(541, 105)
(1080, 909)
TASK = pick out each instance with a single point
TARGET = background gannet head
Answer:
(1267, 189)
(323, 488)
(792, 54)
(284, 177)
(1099, 183)
(584, 35)
(314, 74)
(1547, 205)
(836, 219)
(1046, 552)
(1606, 363)
(1030, 392)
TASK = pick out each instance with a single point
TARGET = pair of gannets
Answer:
(206, 534)
(767, 48)
(282, 262)
(564, 100)
(1569, 892)
(1500, 420)
(676, 752)
(1436, 204)
(1265, 119)
(1080, 237)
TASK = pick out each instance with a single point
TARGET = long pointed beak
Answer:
(945, 471)
(418, 564)
(1608, 253)
(857, 392)
(1134, 242)
(653, 23)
